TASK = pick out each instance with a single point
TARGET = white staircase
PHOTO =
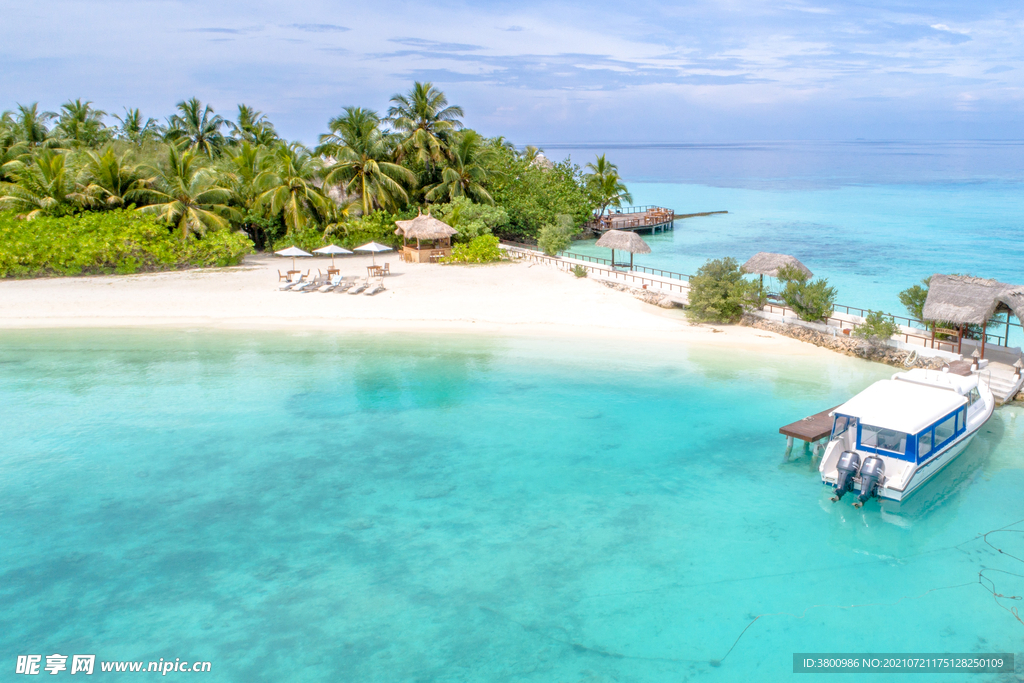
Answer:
(1003, 380)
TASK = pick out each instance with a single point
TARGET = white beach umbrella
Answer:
(374, 248)
(293, 252)
(332, 250)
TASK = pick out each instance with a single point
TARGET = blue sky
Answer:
(544, 71)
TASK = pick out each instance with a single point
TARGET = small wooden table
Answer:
(374, 271)
(333, 271)
(291, 273)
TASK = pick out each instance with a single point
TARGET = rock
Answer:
(859, 348)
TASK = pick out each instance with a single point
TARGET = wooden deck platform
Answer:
(810, 429)
(651, 219)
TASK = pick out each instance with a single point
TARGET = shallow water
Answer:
(315, 507)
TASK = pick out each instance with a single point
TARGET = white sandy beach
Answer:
(507, 298)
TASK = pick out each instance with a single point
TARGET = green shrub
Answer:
(470, 219)
(118, 241)
(876, 327)
(557, 236)
(483, 249)
(812, 301)
(717, 292)
(579, 271)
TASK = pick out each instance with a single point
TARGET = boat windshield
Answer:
(841, 425)
(878, 438)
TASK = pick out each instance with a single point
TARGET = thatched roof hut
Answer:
(542, 162)
(768, 263)
(424, 227)
(623, 240)
(966, 300)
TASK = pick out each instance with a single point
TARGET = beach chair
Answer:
(360, 286)
(386, 270)
(308, 286)
(375, 288)
(283, 277)
(289, 285)
(334, 282)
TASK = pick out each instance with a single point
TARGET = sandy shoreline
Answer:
(515, 299)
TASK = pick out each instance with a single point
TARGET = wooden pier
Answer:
(650, 219)
(811, 430)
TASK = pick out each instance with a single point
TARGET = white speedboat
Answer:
(898, 433)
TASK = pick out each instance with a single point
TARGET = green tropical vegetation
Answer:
(115, 241)
(482, 249)
(877, 327)
(718, 292)
(812, 301)
(201, 175)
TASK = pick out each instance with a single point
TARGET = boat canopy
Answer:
(901, 405)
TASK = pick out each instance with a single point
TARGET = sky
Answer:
(543, 71)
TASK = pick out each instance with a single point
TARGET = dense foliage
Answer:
(556, 236)
(117, 241)
(482, 249)
(718, 292)
(812, 301)
(877, 326)
(203, 174)
(913, 299)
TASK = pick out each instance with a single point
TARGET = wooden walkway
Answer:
(810, 429)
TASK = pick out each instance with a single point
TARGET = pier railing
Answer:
(564, 263)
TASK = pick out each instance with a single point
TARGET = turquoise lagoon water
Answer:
(872, 217)
(358, 508)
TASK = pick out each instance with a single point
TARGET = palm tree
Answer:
(466, 172)
(426, 122)
(606, 185)
(80, 124)
(11, 148)
(289, 187)
(253, 127)
(362, 160)
(30, 125)
(41, 185)
(134, 129)
(187, 196)
(242, 170)
(112, 181)
(198, 127)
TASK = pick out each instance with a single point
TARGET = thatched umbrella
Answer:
(965, 300)
(769, 263)
(624, 240)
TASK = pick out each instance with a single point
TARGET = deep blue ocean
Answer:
(872, 217)
(316, 507)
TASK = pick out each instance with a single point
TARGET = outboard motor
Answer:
(870, 474)
(849, 461)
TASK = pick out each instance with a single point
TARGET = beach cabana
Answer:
(962, 300)
(623, 240)
(433, 239)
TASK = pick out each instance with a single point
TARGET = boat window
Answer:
(924, 444)
(884, 439)
(973, 396)
(841, 424)
(944, 430)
